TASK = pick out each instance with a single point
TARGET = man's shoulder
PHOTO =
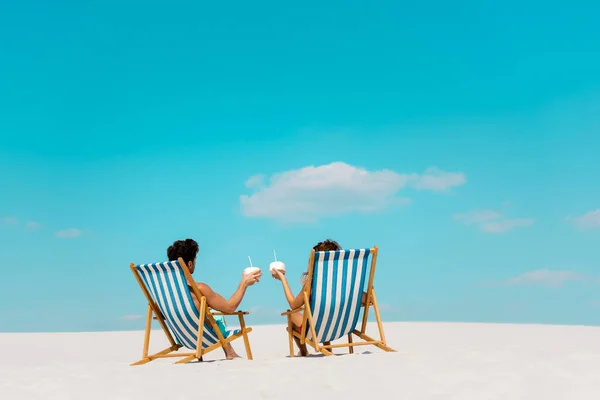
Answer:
(203, 287)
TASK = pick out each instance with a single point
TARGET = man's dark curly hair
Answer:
(327, 245)
(186, 249)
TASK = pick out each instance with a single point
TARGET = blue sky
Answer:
(462, 139)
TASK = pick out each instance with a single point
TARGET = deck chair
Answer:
(170, 302)
(332, 301)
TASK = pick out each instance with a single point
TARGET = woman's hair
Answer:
(326, 245)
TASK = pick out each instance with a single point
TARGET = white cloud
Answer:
(506, 225)
(309, 193)
(477, 216)
(588, 221)
(547, 278)
(132, 316)
(255, 181)
(32, 225)
(437, 180)
(491, 221)
(70, 233)
(9, 221)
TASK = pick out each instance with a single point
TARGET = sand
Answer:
(434, 361)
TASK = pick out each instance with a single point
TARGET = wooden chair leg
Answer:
(155, 356)
(186, 359)
(147, 332)
(377, 343)
(350, 348)
(245, 334)
(323, 350)
(290, 336)
(199, 349)
(378, 318)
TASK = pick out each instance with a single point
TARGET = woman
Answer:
(297, 301)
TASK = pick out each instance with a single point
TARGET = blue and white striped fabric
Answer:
(337, 285)
(168, 287)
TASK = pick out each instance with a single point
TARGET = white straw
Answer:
(249, 259)
(274, 254)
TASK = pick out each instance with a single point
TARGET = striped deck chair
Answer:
(333, 301)
(170, 302)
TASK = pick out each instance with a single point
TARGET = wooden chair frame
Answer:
(325, 348)
(205, 313)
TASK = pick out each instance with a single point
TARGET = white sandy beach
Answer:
(434, 361)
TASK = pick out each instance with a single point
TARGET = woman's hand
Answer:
(277, 274)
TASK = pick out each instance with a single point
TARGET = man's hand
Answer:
(251, 279)
(278, 274)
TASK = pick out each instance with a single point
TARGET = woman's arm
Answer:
(299, 300)
(296, 301)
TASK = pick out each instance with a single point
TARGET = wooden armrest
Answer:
(221, 313)
(294, 311)
(233, 313)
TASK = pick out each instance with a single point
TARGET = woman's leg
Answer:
(296, 324)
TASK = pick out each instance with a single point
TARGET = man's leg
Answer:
(230, 353)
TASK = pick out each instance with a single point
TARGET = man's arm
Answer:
(218, 302)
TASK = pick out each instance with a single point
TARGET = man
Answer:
(188, 250)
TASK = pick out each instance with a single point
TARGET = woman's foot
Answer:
(303, 350)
